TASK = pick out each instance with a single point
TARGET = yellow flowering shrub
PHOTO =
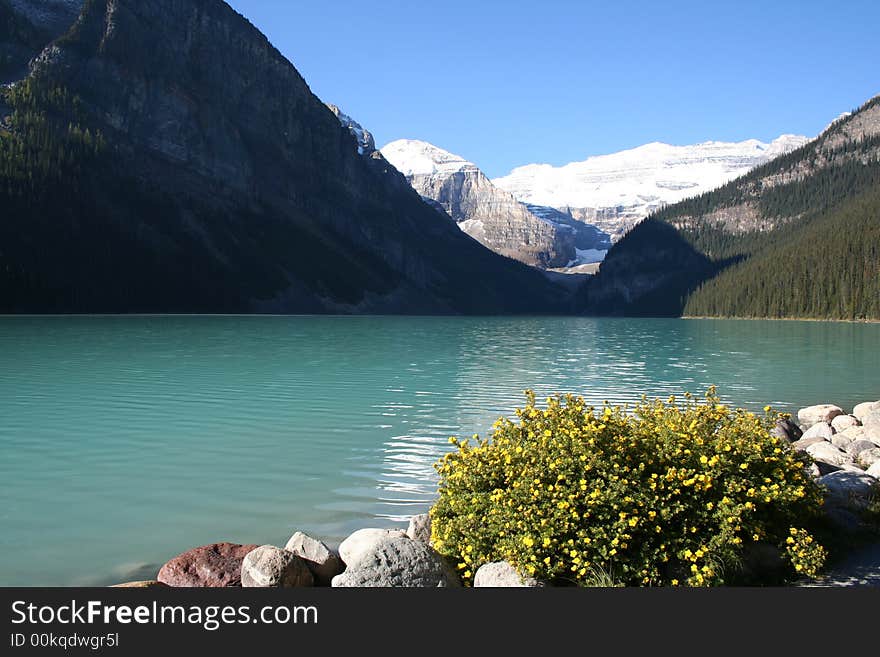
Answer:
(671, 494)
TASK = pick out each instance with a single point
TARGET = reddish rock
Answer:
(213, 566)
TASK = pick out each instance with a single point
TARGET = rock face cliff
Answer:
(548, 239)
(190, 168)
(26, 27)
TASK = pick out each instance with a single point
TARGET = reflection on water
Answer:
(126, 440)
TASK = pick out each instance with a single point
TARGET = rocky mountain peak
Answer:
(366, 145)
(539, 237)
(419, 158)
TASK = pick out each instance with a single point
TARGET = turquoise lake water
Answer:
(126, 440)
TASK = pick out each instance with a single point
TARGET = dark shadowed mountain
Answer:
(163, 156)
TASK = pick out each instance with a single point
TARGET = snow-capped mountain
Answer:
(617, 191)
(493, 217)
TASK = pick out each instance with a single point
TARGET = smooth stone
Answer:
(420, 528)
(502, 574)
(858, 446)
(804, 443)
(874, 470)
(820, 430)
(869, 457)
(786, 430)
(147, 584)
(271, 567)
(398, 562)
(841, 442)
(213, 566)
(844, 422)
(365, 540)
(853, 433)
(324, 563)
(861, 411)
(807, 417)
(849, 488)
(828, 453)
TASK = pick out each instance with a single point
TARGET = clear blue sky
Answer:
(506, 83)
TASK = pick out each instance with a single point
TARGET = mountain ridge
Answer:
(488, 214)
(734, 250)
(617, 190)
(205, 176)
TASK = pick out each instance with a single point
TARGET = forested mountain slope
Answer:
(738, 250)
(163, 156)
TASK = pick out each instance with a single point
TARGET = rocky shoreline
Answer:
(844, 447)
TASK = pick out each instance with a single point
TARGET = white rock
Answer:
(849, 488)
(365, 540)
(874, 470)
(802, 444)
(828, 453)
(811, 415)
(820, 430)
(871, 425)
(862, 410)
(843, 422)
(853, 433)
(502, 574)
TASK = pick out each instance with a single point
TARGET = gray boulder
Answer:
(364, 541)
(869, 457)
(820, 430)
(272, 567)
(844, 422)
(841, 441)
(787, 430)
(856, 447)
(323, 562)
(849, 488)
(502, 574)
(828, 453)
(811, 415)
(397, 562)
(420, 528)
(863, 410)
